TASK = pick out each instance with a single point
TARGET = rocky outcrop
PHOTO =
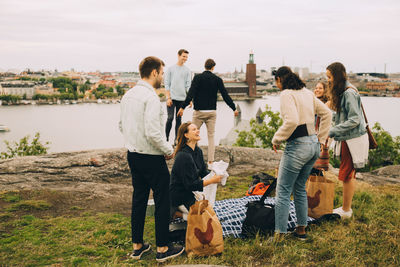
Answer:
(384, 175)
(106, 172)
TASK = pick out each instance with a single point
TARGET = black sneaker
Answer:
(302, 237)
(137, 253)
(173, 251)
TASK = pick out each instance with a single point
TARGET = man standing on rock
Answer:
(142, 127)
(203, 91)
(177, 82)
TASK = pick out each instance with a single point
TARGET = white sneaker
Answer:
(343, 214)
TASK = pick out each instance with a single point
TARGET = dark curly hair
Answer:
(289, 79)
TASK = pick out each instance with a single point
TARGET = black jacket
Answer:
(188, 169)
(203, 91)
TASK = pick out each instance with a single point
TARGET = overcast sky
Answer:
(115, 35)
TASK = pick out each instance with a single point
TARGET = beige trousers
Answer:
(209, 118)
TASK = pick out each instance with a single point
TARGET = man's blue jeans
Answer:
(296, 163)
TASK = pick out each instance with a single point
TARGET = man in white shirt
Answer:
(142, 126)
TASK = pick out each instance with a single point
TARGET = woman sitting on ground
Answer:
(298, 109)
(188, 169)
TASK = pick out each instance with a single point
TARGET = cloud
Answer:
(361, 33)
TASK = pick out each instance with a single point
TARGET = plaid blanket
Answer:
(232, 212)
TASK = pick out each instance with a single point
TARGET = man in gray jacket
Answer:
(142, 126)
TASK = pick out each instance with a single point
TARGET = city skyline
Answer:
(115, 36)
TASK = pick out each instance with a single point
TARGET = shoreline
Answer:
(116, 101)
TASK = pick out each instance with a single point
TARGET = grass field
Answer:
(35, 230)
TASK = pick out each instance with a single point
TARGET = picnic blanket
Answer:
(232, 212)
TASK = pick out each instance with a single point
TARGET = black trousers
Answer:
(149, 171)
(176, 105)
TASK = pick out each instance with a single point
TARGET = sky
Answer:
(90, 35)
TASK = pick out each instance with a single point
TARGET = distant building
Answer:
(247, 87)
(382, 86)
(304, 73)
(251, 76)
(237, 88)
(44, 89)
(373, 74)
(18, 88)
(107, 83)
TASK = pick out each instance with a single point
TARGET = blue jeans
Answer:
(296, 163)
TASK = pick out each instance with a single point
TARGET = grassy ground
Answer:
(34, 232)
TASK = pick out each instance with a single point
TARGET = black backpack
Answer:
(260, 217)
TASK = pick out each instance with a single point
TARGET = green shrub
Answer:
(262, 131)
(24, 148)
(388, 151)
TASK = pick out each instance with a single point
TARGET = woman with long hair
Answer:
(349, 132)
(321, 92)
(188, 169)
(298, 107)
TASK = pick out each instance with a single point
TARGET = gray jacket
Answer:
(142, 121)
(349, 122)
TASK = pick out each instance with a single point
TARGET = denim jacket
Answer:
(142, 121)
(349, 122)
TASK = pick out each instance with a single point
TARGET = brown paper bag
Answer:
(320, 195)
(204, 231)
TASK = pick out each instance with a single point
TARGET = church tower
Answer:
(251, 76)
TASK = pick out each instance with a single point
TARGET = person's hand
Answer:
(168, 157)
(236, 113)
(169, 102)
(190, 104)
(217, 179)
(275, 147)
(180, 112)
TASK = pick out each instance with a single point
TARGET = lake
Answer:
(94, 126)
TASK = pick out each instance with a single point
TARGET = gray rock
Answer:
(392, 171)
(106, 173)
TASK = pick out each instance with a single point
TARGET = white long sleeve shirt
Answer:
(299, 107)
(142, 121)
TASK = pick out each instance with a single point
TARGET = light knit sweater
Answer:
(299, 107)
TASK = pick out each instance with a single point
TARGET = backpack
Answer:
(257, 189)
(259, 216)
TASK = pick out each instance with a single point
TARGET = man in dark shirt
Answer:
(203, 91)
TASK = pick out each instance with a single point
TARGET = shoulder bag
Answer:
(372, 142)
